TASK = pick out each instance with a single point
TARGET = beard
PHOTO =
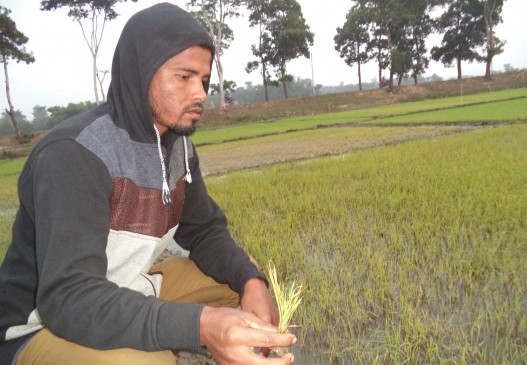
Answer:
(177, 126)
(183, 130)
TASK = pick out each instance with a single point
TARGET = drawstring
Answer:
(188, 177)
(166, 190)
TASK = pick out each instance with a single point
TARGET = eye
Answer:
(183, 77)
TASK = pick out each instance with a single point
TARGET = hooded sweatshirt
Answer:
(92, 219)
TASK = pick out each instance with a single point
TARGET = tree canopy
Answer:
(12, 47)
(284, 36)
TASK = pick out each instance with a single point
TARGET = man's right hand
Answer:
(232, 334)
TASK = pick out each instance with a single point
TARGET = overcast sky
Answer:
(62, 70)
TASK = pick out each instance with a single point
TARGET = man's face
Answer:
(176, 93)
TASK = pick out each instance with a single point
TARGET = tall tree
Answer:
(398, 32)
(260, 14)
(290, 36)
(12, 47)
(91, 16)
(214, 15)
(377, 48)
(388, 38)
(463, 33)
(492, 16)
(351, 40)
(420, 28)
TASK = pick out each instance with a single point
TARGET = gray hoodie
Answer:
(92, 219)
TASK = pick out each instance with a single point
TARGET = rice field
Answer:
(413, 253)
(371, 115)
(409, 236)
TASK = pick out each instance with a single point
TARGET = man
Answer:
(102, 195)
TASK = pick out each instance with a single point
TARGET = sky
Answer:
(62, 71)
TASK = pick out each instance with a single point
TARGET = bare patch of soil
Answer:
(259, 152)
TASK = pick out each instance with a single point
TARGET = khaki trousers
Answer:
(182, 282)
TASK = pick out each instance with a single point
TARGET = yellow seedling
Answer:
(287, 298)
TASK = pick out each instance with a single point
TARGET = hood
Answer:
(149, 39)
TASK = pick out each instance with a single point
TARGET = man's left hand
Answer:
(257, 300)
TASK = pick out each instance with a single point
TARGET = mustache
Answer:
(192, 107)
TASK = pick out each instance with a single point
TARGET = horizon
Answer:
(39, 84)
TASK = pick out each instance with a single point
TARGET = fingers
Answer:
(282, 360)
(265, 338)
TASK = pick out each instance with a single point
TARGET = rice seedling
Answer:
(287, 297)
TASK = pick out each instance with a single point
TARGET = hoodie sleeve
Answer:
(66, 192)
(203, 231)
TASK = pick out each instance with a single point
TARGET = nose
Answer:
(199, 94)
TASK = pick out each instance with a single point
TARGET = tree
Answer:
(60, 113)
(492, 16)
(378, 48)
(12, 43)
(420, 28)
(40, 118)
(101, 75)
(228, 87)
(95, 14)
(387, 34)
(290, 37)
(260, 17)
(6, 126)
(398, 31)
(463, 29)
(350, 39)
(213, 15)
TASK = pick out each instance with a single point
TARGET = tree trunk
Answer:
(360, 76)
(489, 28)
(219, 69)
(488, 68)
(284, 82)
(284, 87)
(358, 69)
(266, 86)
(11, 110)
(94, 76)
(459, 75)
(379, 63)
(391, 79)
(101, 83)
(390, 47)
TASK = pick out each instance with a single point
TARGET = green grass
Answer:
(9, 171)
(414, 253)
(500, 111)
(452, 105)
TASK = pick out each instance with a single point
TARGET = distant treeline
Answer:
(45, 118)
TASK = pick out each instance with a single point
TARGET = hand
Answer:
(256, 299)
(232, 334)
